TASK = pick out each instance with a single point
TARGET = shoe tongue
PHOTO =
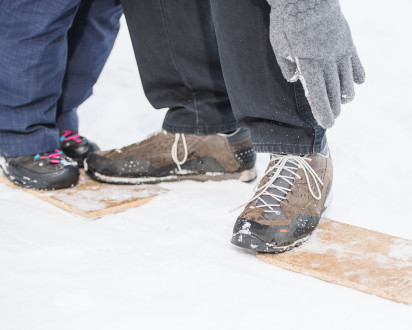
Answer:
(280, 182)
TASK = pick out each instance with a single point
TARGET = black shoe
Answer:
(76, 147)
(47, 171)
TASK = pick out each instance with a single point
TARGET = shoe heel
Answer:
(248, 175)
(246, 157)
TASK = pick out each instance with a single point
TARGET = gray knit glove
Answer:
(312, 42)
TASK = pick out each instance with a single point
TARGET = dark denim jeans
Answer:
(211, 63)
(51, 54)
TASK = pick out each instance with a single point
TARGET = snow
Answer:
(169, 264)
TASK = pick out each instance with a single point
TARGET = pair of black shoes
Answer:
(56, 169)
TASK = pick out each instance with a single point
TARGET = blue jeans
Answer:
(51, 54)
(211, 63)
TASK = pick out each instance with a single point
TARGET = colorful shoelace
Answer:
(55, 157)
(71, 135)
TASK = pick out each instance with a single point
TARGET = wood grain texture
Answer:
(91, 199)
(354, 257)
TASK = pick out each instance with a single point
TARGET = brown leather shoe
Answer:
(167, 156)
(287, 205)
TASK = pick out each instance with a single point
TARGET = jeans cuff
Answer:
(16, 145)
(200, 130)
(290, 149)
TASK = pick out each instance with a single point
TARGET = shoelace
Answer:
(71, 135)
(280, 164)
(230, 134)
(174, 151)
(54, 157)
(175, 145)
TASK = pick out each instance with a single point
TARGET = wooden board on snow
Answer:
(91, 199)
(355, 257)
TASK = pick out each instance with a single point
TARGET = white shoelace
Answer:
(230, 134)
(176, 144)
(174, 151)
(281, 163)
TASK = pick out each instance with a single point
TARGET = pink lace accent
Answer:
(52, 157)
(70, 135)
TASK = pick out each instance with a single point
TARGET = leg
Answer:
(33, 57)
(176, 50)
(291, 196)
(90, 40)
(276, 112)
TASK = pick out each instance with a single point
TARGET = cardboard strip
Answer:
(91, 199)
(354, 257)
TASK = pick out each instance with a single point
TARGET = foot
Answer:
(47, 171)
(76, 147)
(167, 156)
(287, 205)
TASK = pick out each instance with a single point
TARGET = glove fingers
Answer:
(358, 71)
(288, 68)
(347, 87)
(333, 88)
(317, 94)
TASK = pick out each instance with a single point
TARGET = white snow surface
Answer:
(169, 264)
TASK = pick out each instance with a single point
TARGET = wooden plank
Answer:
(92, 199)
(354, 257)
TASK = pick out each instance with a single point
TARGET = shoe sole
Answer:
(253, 244)
(244, 176)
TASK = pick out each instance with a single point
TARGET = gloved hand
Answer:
(312, 42)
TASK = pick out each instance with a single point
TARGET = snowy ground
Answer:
(169, 263)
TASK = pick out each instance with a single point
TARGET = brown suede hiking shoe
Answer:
(167, 156)
(287, 205)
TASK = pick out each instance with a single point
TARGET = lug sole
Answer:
(253, 244)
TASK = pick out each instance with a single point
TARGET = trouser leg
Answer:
(90, 40)
(33, 57)
(276, 112)
(176, 51)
